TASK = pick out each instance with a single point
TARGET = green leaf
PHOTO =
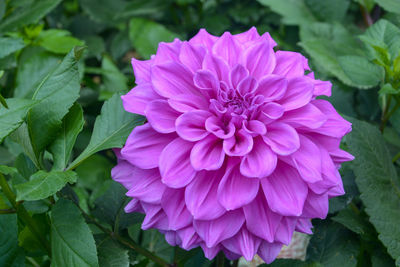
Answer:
(9, 45)
(378, 183)
(110, 208)
(111, 254)
(360, 71)
(111, 129)
(368, 4)
(10, 254)
(94, 171)
(33, 65)
(72, 243)
(114, 81)
(293, 12)
(61, 148)
(27, 14)
(103, 10)
(390, 5)
(325, 43)
(388, 89)
(356, 223)
(383, 34)
(58, 41)
(44, 184)
(3, 101)
(145, 36)
(332, 245)
(13, 117)
(21, 136)
(55, 95)
(7, 170)
(328, 10)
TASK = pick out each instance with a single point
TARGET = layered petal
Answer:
(138, 98)
(191, 125)
(161, 116)
(207, 154)
(282, 138)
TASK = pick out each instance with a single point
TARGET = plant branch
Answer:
(23, 214)
(367, 18)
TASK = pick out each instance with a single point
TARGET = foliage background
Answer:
(58, 204)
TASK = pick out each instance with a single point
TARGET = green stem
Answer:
(367, 18)
(220, 260)
(23, 213)
(129, 243)
(396, 157)
(386, 115)
(8, 211)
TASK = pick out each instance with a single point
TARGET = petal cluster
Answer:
(237, 153)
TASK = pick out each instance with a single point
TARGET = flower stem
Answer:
(220, 260)
(23, 214)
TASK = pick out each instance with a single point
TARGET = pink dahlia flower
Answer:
(237, 153)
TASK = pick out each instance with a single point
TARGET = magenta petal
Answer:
(141, 68)
(189, 238)
(201, 196)
(172, 78)
(168, 52)
(133, 206)
(175, 168)
(273, 110)
(192, 56)
(146, 185)
(188, 102)
(161, 116)
(227, 48)
(155, 217)
(285, 191)
(316, 206)
(144, 146)
(307, 160)
(136, 100)
(217, 66)
(247, 86)
(173, 204)
(290, 64)
(259, 59)
(224, 227)
(299, 93)
(304, 226)
(207, 154)
(258, 211)
(236, 190)
(204, 38)
(210, 252)
(335, 125)
(250, 35)
(243, 243)
(237, 74)
(260, 162)
(272, 87)
(282, 138)
(238, 145)
(308, 116)
(269, 251)
(340, 156)
(191, 125)
(285, 230)
(218, 128)
(254, 127)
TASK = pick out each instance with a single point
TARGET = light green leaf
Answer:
(390, 5)
(382, 34)
(328, 10)
(356, 223)
(378, 183)
(34, 64)
(13, 117)
(388, 89)
(44, 184)
(325, 43)
(55, 95)
(10, 254)
(72, 243)
(27, 14)
(58, 41)
(3, 101)
(114, 81)
(111, 254)
(145, 36)
(21, 136)
(7, 170)
(9, 45)
(61, 148)
(111, 128)
(293, 12)
(360, 71)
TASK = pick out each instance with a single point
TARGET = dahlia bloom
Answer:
(237, 153)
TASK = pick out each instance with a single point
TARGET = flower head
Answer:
(237, 153)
